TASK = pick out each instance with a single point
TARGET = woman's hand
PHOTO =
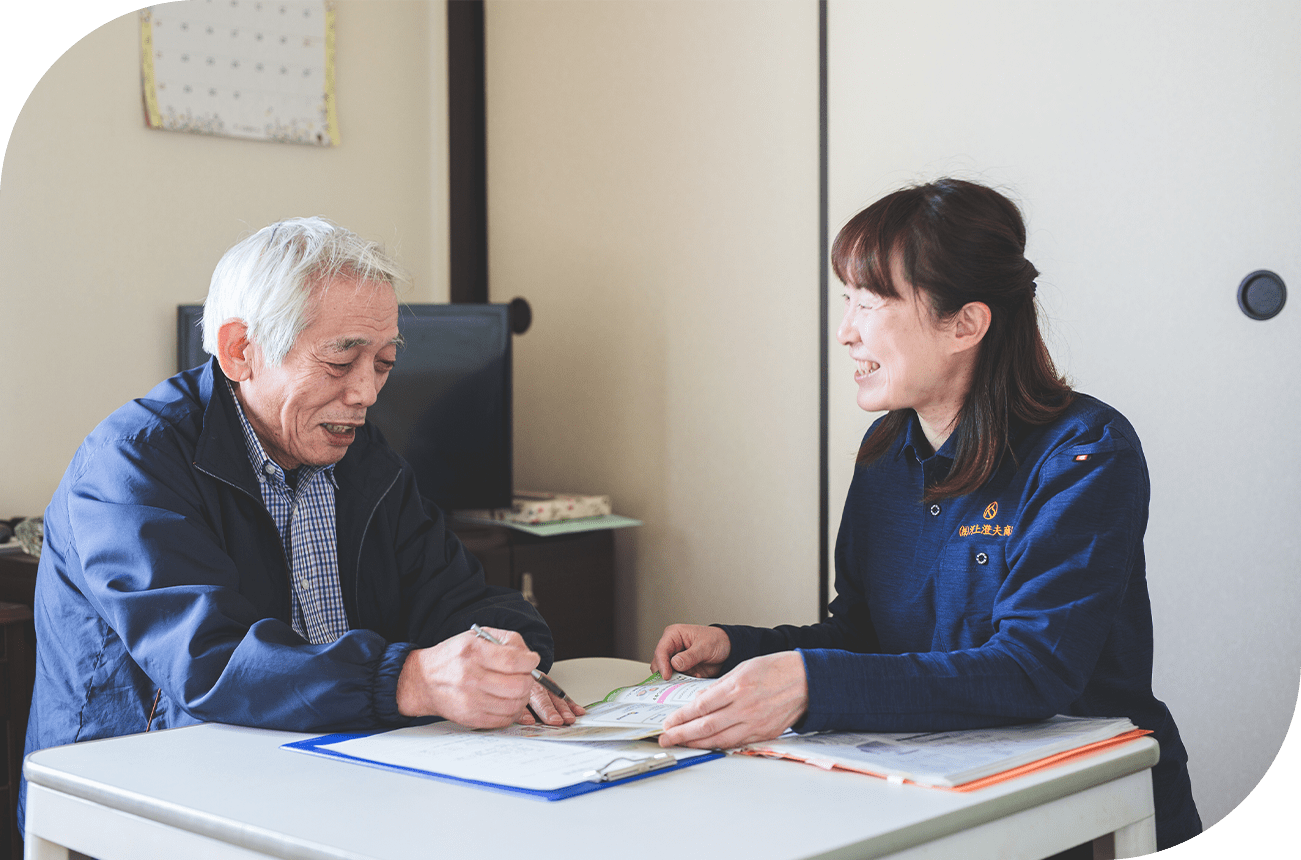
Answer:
(691, 650)
(756, 701)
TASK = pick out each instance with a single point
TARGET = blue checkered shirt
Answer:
(304, 515)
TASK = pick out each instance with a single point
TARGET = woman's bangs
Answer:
(861, 255)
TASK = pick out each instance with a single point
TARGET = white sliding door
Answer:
(1156, 150)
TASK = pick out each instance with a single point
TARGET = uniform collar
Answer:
(914, 442)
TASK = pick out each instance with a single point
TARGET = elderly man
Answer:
(240, 546)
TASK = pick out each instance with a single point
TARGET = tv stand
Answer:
(569, 578)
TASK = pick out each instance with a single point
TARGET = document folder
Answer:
(545, 770)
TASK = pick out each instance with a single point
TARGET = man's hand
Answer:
(550, 709)
(756, 701)
(691, 650)
(469, 680)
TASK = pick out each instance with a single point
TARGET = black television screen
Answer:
(446, 407)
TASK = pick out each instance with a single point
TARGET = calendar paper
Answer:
(254, 69)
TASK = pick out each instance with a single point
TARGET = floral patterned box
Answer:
(534, 508)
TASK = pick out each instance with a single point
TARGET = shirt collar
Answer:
(915, 441)
(257, 455)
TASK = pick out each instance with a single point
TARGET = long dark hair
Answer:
(958, 242)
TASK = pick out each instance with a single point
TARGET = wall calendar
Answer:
(253, 69)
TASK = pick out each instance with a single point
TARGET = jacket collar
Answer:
(221, 451)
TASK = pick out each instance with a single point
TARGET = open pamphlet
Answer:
(627, 713)
(963, 760)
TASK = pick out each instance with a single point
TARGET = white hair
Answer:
(266, 280)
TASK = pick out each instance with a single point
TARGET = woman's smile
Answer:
(864, 368)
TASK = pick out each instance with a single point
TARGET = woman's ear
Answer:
(970, 326)
(235, 350)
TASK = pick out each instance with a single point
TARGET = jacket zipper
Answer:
(361, 542)
(284, 559)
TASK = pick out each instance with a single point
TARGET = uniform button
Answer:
(935, 510)
(981, 558)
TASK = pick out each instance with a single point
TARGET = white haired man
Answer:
(240, 546)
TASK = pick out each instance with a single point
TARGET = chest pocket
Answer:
(968, 575)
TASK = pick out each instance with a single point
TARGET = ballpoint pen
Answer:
(541, 677)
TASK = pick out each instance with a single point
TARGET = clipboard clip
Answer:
(635, 767)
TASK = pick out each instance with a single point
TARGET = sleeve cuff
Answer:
(384, 689)
(826, 697)
(745, 644)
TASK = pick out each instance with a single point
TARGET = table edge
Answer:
(169, 814)
(1038, 788)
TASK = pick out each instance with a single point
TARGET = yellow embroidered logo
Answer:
(986, 529)
(989, 529)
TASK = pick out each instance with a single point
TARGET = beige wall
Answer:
(653, 193)
(105, 226)
(653, 172)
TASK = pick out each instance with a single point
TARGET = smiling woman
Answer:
(989, 566)
(953, 252)
(906, 359)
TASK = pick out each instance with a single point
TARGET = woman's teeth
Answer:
(866, 367)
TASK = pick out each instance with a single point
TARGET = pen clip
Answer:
(610, 773)
(484, 634)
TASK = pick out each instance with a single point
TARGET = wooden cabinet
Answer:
(17, 664)
(17, 670)
(569, 578)
(18, 578)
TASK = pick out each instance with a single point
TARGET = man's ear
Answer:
(970, 326)
(235, 350)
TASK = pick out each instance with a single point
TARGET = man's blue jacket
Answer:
(163, 585)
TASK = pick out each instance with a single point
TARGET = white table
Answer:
(216, 791)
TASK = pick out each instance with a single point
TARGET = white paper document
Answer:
(487, 756)
(946, 758)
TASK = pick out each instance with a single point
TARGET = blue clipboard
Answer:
(618, 772)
